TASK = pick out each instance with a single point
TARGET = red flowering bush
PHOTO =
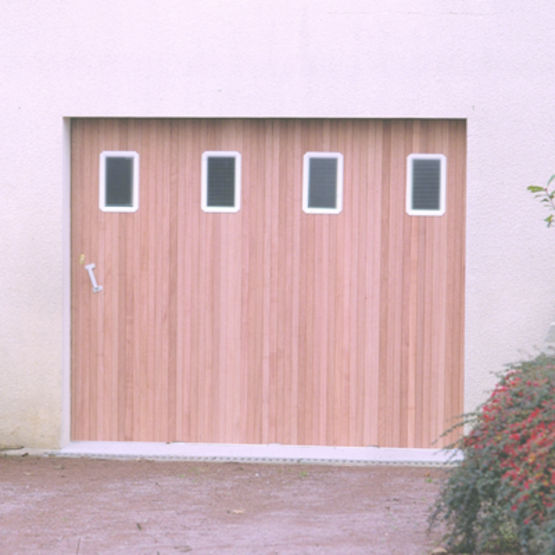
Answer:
(502, 495)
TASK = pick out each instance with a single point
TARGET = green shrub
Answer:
(501, 496)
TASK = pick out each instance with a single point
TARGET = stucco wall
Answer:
(489, 62)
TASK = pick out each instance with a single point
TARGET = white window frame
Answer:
(102, 181)
(339, 183)
(442, 185)
(204, 180)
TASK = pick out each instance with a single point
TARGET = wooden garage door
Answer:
(268, 325)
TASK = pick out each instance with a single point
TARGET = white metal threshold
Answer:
(270, 453)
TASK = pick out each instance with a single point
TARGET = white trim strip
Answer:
(271, 453)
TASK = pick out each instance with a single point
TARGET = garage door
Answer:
(294, 281)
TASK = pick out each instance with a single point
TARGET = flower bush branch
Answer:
(546, 195)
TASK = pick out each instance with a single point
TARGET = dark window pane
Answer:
(221, 181)
(426, 183)
(119, 181)
(322, 183)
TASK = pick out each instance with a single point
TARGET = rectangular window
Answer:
(426, 183)
(221, 181)
(323, 182)
(119, 181)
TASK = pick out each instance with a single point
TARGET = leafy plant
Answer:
(546, 195)
(501, 496)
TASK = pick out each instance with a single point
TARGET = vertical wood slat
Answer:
(269, 325)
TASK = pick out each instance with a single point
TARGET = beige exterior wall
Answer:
(489, 62)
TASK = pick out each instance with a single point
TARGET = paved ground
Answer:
(56, 505)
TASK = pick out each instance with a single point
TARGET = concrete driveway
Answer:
(83, 505)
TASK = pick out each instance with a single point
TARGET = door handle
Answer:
(90, 269)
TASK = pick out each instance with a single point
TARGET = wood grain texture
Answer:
(269, 325)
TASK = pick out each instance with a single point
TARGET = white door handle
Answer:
(90, 268)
